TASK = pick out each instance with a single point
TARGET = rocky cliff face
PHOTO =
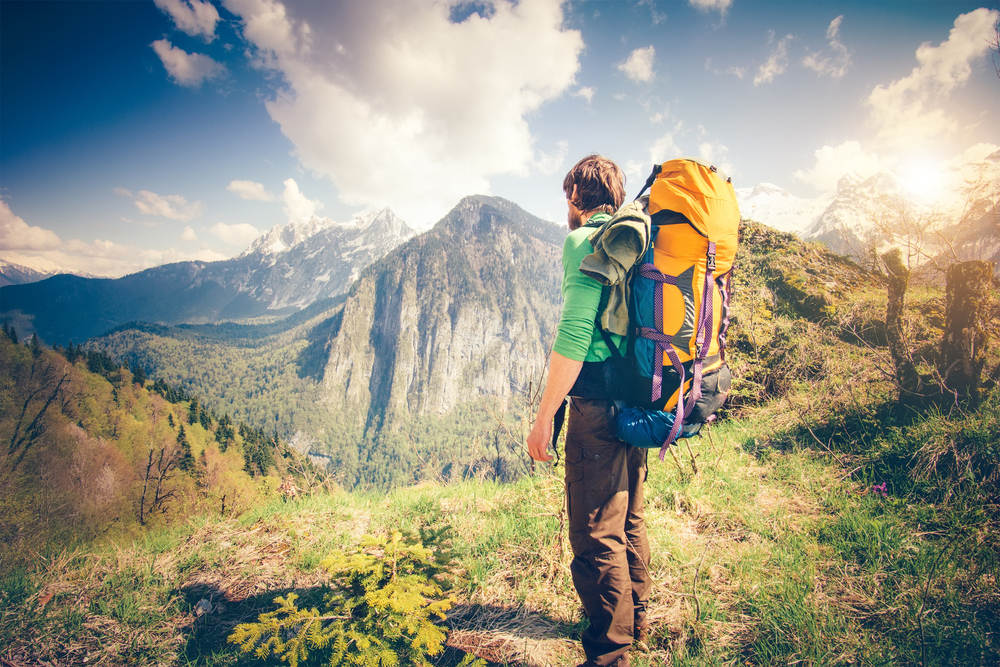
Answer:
(462, 312)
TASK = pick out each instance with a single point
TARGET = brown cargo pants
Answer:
(607, 531)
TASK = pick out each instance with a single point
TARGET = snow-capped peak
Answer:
(778, 208)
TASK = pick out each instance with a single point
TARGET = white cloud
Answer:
(297, 205)
(973, 154)
(716, 153)
(241, 235)
(42, 248)
(910, 110)
(639, 65)
(586, 92)
(174, 207)
(250, 190)
(657, 17)
(414, 111)
(776, 62)
(722, 6)
(193, 17)
(187, 69)
(836, 65)
(664, 148)
(549, 164)
(16, 234)
(188, 235)
(833, 162)
(635, 171)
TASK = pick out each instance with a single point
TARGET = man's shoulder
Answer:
(577, 246)
(579, 237)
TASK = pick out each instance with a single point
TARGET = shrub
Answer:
(381, 613)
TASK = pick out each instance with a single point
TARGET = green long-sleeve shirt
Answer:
(577, 338)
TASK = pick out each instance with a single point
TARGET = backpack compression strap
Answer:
(705, 322)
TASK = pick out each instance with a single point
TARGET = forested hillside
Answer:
(90, 449)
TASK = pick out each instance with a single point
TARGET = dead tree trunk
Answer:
(965, 342)
(910, 384)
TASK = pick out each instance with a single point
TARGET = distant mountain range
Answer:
(285, 270)
(875, 211)
(12, 273)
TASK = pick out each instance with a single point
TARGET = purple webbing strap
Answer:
(705, 322)
(679, 411)
(650, 271)
(663, 341)
(723, 283)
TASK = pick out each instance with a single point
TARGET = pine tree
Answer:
(193, 411)
(382, 612)
(187, 457)
(139, 374)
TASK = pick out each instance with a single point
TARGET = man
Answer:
(604, 476)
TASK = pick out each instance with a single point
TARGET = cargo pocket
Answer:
(587, 462)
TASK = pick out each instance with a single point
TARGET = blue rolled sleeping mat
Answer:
(648, 429)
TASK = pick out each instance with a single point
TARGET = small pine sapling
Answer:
(386, 599)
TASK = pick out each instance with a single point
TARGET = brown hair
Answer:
(600, 184)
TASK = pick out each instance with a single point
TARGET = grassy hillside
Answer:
(772, 553)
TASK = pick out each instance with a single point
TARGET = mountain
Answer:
(12, 273)
(859, 205)
(779, 208)
(874, 213)
(463, 311)
(396, 380)
(284, 271)
(305, 261)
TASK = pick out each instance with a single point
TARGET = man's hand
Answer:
(562, 374)
(538, 440)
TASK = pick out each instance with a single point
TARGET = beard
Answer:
(574, 218)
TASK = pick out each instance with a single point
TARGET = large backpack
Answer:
(679, 301)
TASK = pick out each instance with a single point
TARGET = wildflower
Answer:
(880, 489)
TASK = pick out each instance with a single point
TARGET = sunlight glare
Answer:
(922, 179)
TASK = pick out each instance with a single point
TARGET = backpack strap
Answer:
(657, 168)
(724, 283)
(705, 322)
(607, 338)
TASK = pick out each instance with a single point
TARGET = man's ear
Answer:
(572, 195)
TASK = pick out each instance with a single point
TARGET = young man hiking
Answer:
(604, 476)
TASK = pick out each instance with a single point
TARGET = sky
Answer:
(134, 134)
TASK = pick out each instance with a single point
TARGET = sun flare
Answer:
(922, 179)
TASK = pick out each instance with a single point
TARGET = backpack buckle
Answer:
(711, 261)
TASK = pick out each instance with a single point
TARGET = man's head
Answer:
(595, 184)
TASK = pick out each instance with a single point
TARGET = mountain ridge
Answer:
(320, 264)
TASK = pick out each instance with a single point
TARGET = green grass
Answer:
(774, 553)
